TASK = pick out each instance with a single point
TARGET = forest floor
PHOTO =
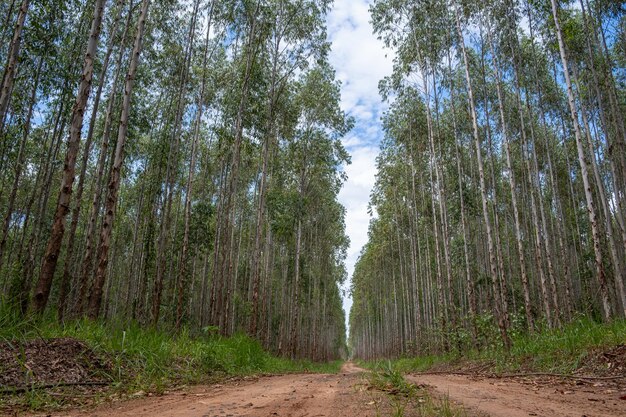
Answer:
(350, 393)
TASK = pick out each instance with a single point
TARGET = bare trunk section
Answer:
(95, 298)
(42, 291)
(11, 67)
(583, 162)
(66, 278)
(492, 256)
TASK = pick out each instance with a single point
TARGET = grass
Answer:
(554, 350)
(152, 360)
(407, 399)
(550, 350)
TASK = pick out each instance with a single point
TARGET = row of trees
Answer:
(500, 198)
(175, 163)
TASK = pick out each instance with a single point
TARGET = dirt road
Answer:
(288, 395)
(348, 394)
(530, 396)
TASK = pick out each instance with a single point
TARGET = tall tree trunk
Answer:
(260, 215)
(10, 69)
(471, 291)
(583, 162)
(95, 298)
(170, 174)
(66, 278)
(86, 267)
(513, 190)
(42, 291)
(499, 314)
(226, 215)
(182, 278)
(19, 165)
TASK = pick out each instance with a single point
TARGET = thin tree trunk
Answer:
(170, 175)
(471, 291)
(66, 278)
(95, 298)
(583, 162)
(182, 278)
(11, 67)
(96, 198)
(19, 166)
(492, 256)
(513, 189)
(42, 292)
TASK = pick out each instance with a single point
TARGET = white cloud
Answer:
(361, 62)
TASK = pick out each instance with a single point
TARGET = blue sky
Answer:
(361, 62)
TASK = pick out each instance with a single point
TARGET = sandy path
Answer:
(530, 397)
(311, 395)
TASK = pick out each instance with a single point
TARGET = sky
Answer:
(360, 61)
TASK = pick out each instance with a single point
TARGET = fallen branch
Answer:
(71, 395)
(24, 388)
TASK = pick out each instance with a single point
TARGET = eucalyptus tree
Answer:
(95, 296)
(51, 256)
(584, 165)
(10, 69)
(298, 35)
(215, 204)
(500, 210)
(46, 80)
(316, 153)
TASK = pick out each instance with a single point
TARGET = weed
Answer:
(387, 378)
(409, 398)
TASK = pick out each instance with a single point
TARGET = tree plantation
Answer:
(500, 199)
(194, 192)
(171, 173)
(176, 164)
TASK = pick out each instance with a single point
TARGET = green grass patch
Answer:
(550, 350)
(408, 399)
(555, 350)
(150, 360)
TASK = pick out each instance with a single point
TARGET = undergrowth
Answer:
(150, 360)
(549, 350)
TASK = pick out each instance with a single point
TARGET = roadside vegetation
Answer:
(578, 347)
(125, 361)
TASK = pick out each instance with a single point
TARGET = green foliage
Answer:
(550, 350)
(558, 350)
(150, 359)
